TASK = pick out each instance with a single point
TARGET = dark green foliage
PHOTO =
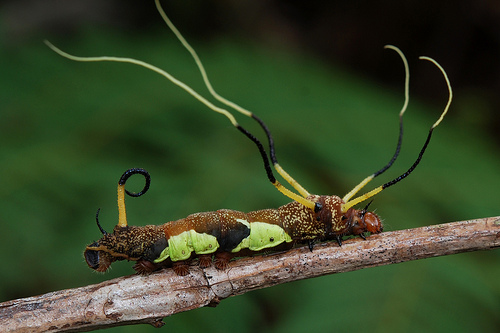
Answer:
(68, 131)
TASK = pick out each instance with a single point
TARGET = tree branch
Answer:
(147, 299)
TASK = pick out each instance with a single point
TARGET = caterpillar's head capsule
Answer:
(361, 221)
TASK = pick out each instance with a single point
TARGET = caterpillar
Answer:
(224, 233)
(220, 235)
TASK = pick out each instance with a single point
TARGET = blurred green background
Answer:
(68, 130)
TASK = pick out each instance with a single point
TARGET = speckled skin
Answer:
(229, 230)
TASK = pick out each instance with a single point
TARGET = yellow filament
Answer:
(365, 181)
(122, 214)
(349, 204)
(189, 90)
(450, 92)
(291, 181)
(358, 187)
(163, 73)
(223, 100)
(308, 203)
(199, 63)
(361, 198)
(407, 77)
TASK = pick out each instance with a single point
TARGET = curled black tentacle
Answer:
(126, 175)
(98, 224)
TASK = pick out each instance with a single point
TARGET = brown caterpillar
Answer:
(224, 233)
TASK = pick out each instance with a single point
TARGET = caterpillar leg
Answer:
(222, 260)
(204, 260)
(145, 267)
(181, 268)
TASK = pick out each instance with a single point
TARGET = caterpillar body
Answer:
(225, 233)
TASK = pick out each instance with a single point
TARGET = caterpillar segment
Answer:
(223, 234)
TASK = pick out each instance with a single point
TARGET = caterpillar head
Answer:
(361, 221)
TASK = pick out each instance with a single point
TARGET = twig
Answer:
(147, 299)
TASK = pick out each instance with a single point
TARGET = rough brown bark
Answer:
(147, 299)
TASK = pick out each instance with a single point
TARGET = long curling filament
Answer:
(365, 181)
(377, 190)
(196, 95)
